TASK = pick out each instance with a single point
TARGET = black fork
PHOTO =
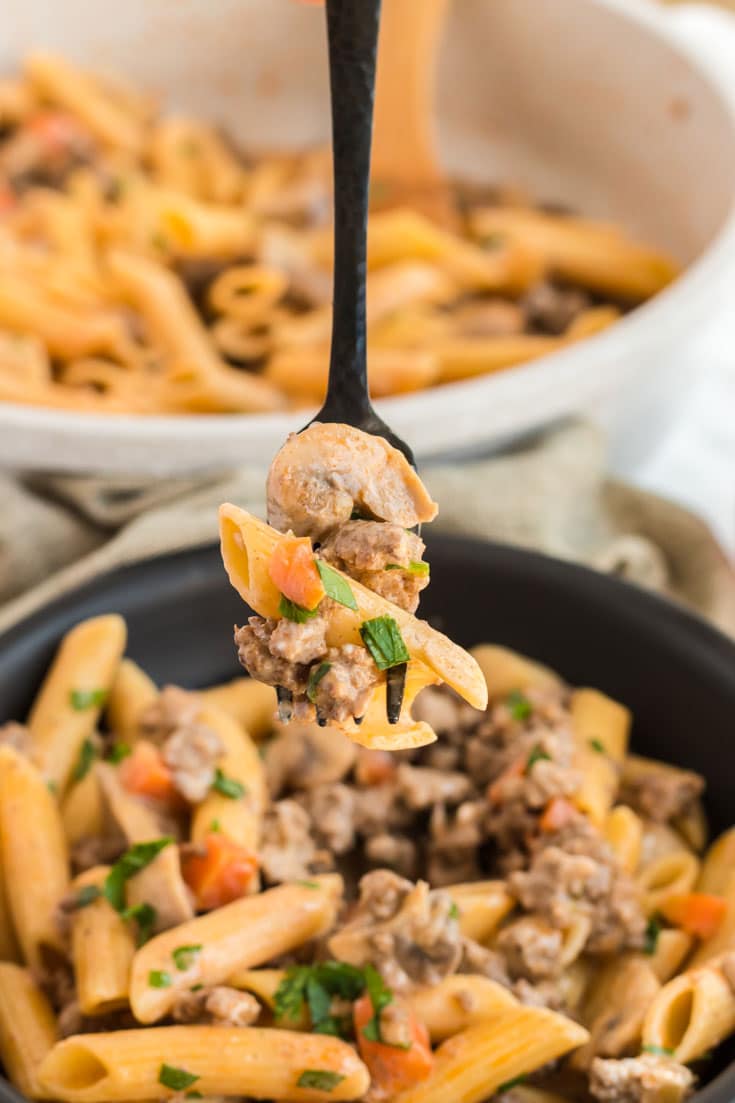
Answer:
(352, 30)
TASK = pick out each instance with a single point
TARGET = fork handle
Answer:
(353, 41)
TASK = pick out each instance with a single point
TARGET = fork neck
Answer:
(353, 41)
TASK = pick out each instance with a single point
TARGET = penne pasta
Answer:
(482, 905)
(82, 810)
(102, 949)
(692, 1013)
(505, 671)
(70, 700)
(724, 937)
(27, 1029)
(671, 875)
(621, 996)
(601, 727)
(249, 702)
(624, 832)
(131, 693)
(457, 1003)
(718, 865)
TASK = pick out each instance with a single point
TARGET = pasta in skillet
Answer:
(457, 923)
(147, 266)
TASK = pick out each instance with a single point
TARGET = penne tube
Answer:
(191, 157)
(69, 702)
(505, 671)
(692, 1014)
(672, 948)
(467, 357)
(251, 703)
(718, 865)
(303, 372)
(622, 993)
(226, 1061)
(27, 1029)
(483, 905)
(458, 1002)
(470, 1066)
(692, 826)
(173, 224)
(240, 819)
(724, 937)
(102, 949)
(672, 875)
(623, 830)
(241, 935)
(9, 948)
(263, 983)
(248, 292)
(601, 728)
(33, 856)
(131, 693)
(82, 810)
(658, 841)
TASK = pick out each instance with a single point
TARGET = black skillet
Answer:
(675, 673)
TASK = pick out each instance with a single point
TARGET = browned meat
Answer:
(379, 809)
(379, 555)
(552, 309)
(662, 795)
(96, 850)
(644, 1079)
(254, 653)
(489, 318)
(220, 1005)
(192, 753)
(16, 736)
(299, 643)
(393, 852)
(173, 708)
(303, 756)
(453, 842)
(421, 787)
(288, 851)
(344, 691)
(532, 948)
(488, 963)
(72, 1021)
(444, 711)
(332, 812)
(409, 933)
(27, 160)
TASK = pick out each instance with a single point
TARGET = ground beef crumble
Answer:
(380, 556)
(644, 1079)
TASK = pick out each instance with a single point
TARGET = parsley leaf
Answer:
(519, 705)
(454, 911)
(417, 567)
(315, 676)
(512, 1083)
(650, 938)
(314, 986)
(597, 745)
(82, 699)
(119, 751)
(658, 1051)
(228, 786)
(185, 956)
(538, 754)
(380, 997)
(133, 861)
(87, 895)
(335, 586)
(215, 827)
(384, 641)
(87, 755)
(322, 1080)
(145, 917)
(291, 611)
(309, 884)
(159, 978)
(176, 1079)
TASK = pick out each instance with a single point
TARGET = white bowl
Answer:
(614, 107)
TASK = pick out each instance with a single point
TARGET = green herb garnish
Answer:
(87, 895)
(133, 861)
(159, 978)
(185, 956)
(597, 745)
(313, 987)
(291, 611)
(82, 699)
(538, 754)
(335, 586)
(315, 676)
(417, 567)
(87, 755)
(145, 917)
(309, 884)
(194, 1095)
(178, 1080)
(119, 751)
(52, 787)
(384, 641)
(380, 997)
(454, 911)
(505, 1087)
(215, 827)
(322, 1080)
(650, 938)
(519, 705)
(228, 786)
(196, 987)
(658, 1051)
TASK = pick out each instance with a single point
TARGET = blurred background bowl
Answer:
(624, 118)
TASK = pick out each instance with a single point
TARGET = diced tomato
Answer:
(698, 913)
(294, 572)
(56, 131)
(393, 1069)
(223, 872)
(146, 774)
(374, 767)
(495, 790)
(557, 814)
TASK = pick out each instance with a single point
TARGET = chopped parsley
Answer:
(228, 786)
(194, 1095)
(145, 917)
(597, 745)
(538, 754)
(52, 787)
(454, 911)
(315, 676)
(417, 567)
(384, 641)
(658, 1051)
(185, 956)
(650, 938)
(335, 586)
(82, 699)
(380, 997)
(87, 895)
(519, 706)
(133, 861)
(119, 751)
(215, 827)
(196, 987)
(495, 240)
(291, 611)
(309, 884)
(159, 978)
(516, 1080)
(313, 987)
(87, 755)
(322, 1080)
(178, 1080)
